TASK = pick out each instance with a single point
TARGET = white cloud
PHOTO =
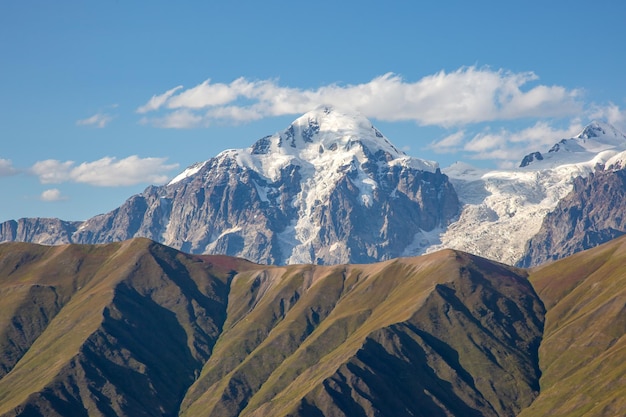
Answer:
(507, 147)
(467, 95)
(52, 171)
(449, 144)
(486, 142)
(510, 146)
(158, 100)
(612, 114)
(6, 168)
(207, 94)
(98, 120)
(53, 194)
(105, 172)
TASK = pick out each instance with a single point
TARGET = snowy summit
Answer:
(325, 139)
(327, 158)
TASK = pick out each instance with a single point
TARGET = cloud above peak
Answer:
(505, 145)
(467, 95)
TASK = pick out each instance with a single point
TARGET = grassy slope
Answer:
(583, 352)
(64, 334)
(303, 340)
(135, 323)
(290, 330)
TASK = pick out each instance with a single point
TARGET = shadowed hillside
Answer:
(136, 328)
(118, 329)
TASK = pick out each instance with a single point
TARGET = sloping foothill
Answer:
(139, 329)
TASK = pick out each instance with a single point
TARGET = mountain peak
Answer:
(593, 141)
(326, 128)
(597, 130)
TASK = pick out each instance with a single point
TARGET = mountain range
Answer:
(136, 328)
(329, 189)
(332, 189)
(280, 280)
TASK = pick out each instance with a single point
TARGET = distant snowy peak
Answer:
(596, 138)
(603, 132)
(464, 171)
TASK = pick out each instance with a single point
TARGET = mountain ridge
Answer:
(332, 189)
(157, 331)
(328, 189)
(221, 336)
(504, 209)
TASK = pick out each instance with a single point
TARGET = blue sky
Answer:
(101, 99)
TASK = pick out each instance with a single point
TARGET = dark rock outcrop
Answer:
(528, 159)
(591, 214)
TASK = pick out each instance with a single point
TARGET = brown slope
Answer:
(136, 322)
(126, 329)
(444, 334)
(584, 346)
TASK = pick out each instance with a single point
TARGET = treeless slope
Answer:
(139, 329)
(583, 352)
(130, 326)
(443, 334)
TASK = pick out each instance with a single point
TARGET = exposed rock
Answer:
(528, 159)
(328, 189)
(591, 214)
(38, 230)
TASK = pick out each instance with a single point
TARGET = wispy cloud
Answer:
(449, 144)
(158, 100)
(99, 120)
(7, 168)
(505, 145)
(611, 113)
(467, 95)
(53, 194)
(105, 172)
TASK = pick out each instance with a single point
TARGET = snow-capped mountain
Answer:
(503, 209)
(333, 189)
(596, 139)
(328, 189)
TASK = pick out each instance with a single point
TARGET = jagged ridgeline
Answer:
(332, 189)
(329, 189)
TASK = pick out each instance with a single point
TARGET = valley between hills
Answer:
(136, 328)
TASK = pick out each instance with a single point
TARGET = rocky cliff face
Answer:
(38, 230)
(328, 189)
(591, 214)
(331, 189)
